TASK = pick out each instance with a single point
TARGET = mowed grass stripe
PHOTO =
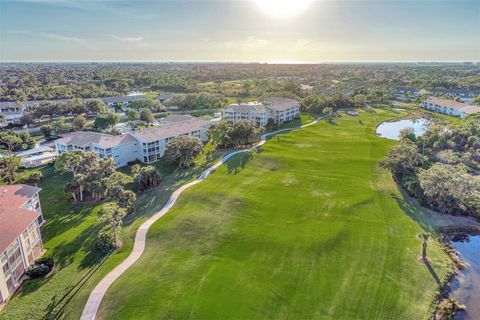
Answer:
(307, 228)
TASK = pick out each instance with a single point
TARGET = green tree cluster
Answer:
(227, 135)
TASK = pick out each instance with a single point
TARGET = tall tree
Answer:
(146, 177)
(424, 236)
(147, 116)
(79, 122)
(183, 149)
(9, 167)
(105, 121)
(113, 215)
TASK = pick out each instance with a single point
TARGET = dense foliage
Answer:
(227, 135)
(85, 80)
(183, 150)
(14, 142)
(441, 168)
(91, 176)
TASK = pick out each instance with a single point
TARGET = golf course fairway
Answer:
(307, 227)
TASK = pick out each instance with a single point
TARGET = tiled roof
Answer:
(177, 118)
(470, 109)
(84, 138)
(280, 104)
(446, 103)
(13, 221)
(16, 195)
(246, 107)
(171, 129)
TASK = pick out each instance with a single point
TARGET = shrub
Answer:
(41, 268)
(105, 241)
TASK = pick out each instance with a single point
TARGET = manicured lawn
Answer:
(69, 235)
(309, 227)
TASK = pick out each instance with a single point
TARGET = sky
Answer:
(241, 30)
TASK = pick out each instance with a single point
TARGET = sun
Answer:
(283, 8)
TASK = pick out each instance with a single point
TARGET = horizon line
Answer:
(244, 62)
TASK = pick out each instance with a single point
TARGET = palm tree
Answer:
(424, 236)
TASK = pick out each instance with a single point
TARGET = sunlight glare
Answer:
(283, 8)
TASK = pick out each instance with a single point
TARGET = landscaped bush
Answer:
(41, 268)
(105, 241)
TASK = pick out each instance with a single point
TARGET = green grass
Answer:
(69, 235)
(309, 227)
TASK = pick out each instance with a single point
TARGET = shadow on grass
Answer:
(237, 163)
(65, 252)
(331, 122)
(412, 211)
(65, 222)
(433, 273)
(56, 308)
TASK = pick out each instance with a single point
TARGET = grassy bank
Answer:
(308, 227)
(69, 234)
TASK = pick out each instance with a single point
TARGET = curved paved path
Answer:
(96, 296)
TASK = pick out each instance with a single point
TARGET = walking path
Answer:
(96, 296)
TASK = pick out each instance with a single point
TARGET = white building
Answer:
(36, 157)
(280, 110)
(253, 111)
(283, 109)
(147, 145)
(449, 107)
(153, 141)
(122, 148)
(12, 113)
(20, 237)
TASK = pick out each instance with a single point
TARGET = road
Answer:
(91, 308)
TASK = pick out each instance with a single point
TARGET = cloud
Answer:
(125, 39)
(50, 36)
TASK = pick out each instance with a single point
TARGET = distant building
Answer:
(20, 237)
(280, 110)
(122, 101)
(449, 107)
(465, 95)
(147, 145)
(12, 113)
(36, 157)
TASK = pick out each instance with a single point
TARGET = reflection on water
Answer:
(391, 130)
(466, 288)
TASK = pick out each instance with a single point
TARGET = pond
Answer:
(466, 287)
(391, 130)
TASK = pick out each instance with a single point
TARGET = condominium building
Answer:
(153, 141)
(449, 107)
(147, 145)
(253, 111)
(280, 110)
(283, 109)
(122, 148)
(20, 237)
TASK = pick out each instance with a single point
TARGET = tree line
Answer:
(440, 168)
